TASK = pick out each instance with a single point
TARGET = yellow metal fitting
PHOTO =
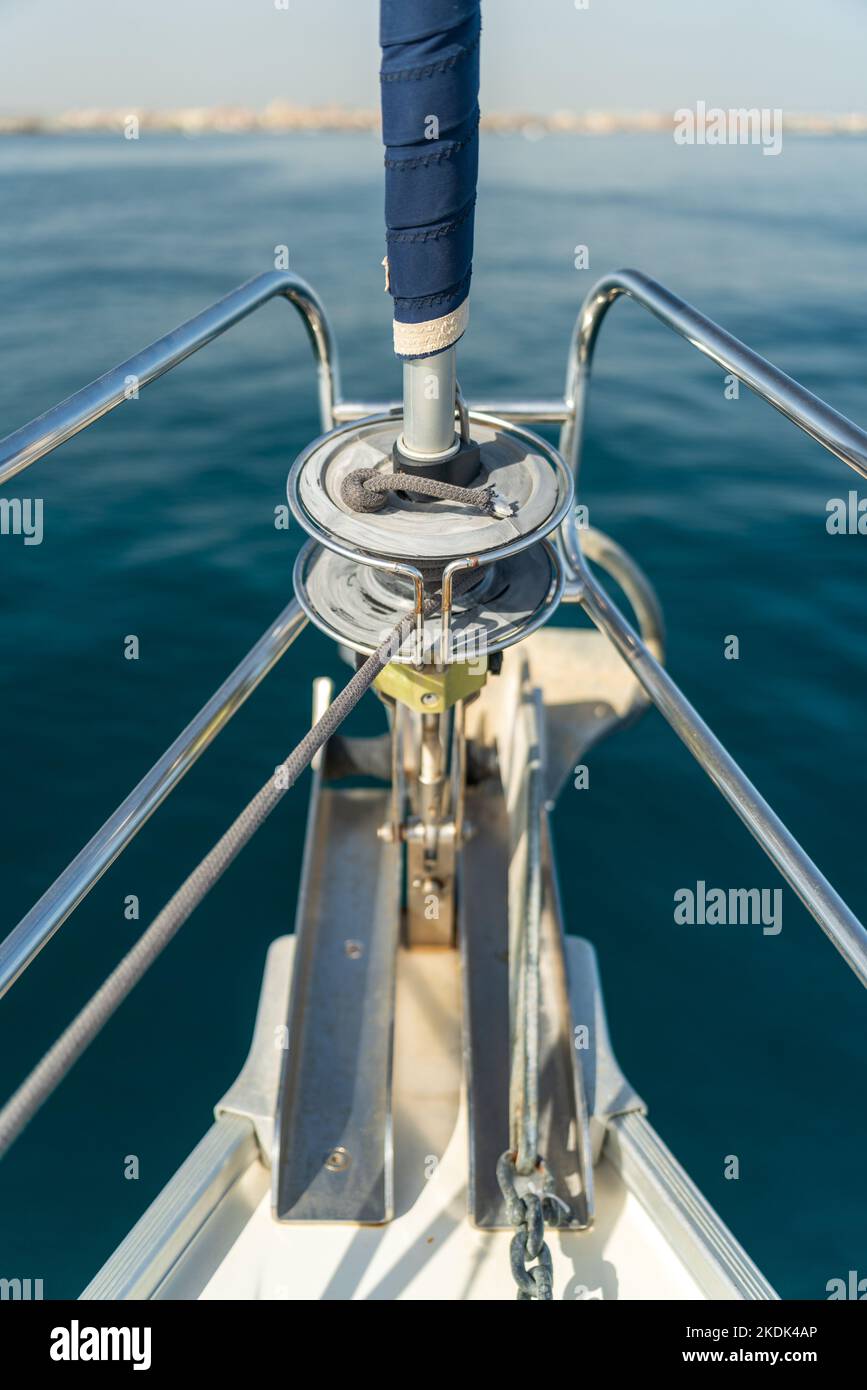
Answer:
(429, 690)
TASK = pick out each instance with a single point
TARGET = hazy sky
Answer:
(537, 54)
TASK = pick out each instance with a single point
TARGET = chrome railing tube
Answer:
(838, 923)
(817, 419)
(36, 439)
(522, 412)
(51, 911)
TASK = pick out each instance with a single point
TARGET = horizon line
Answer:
(279, 115)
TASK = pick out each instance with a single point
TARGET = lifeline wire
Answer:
(65, 1052)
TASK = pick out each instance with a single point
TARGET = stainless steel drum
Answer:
(363, 571)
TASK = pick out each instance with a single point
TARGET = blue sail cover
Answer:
(430, 128)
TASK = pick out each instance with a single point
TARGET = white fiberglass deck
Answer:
(429, 1251)
(433, 1253)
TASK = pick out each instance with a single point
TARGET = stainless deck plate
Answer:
(588, 692)
(334, 1158)
(484, 933)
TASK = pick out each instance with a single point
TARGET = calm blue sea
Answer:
(159, 522)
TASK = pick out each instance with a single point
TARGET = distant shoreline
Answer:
(281, 116)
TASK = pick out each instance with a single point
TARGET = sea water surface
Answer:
(159, 524)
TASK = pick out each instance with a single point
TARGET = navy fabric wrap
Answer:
(430, 128)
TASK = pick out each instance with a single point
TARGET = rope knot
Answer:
(367, 489)
(358, 496)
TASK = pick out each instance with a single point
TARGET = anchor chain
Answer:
(529, 1214)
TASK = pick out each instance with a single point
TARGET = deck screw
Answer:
(338, 1160)
(354, 949)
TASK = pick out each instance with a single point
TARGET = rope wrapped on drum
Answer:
(367, 490)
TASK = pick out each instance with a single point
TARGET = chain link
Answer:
(529, 1215)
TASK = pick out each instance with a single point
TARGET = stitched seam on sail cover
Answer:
(431, 69)
(424, 301)
(422, 161)
(436, 233)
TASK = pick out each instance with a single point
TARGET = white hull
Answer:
(661, 1244)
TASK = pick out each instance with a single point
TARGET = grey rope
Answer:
(367, 489)
(47, 1075)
